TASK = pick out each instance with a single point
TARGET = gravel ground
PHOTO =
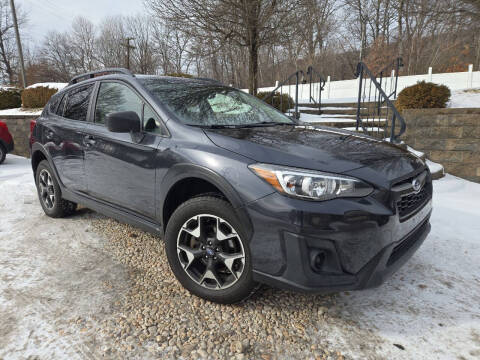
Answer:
(160, 316)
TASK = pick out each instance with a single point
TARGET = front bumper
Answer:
(341, 244)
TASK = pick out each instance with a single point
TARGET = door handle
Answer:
(89, 140)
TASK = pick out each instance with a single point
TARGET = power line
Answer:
(49, 10)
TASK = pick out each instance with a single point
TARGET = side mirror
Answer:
(123, 122)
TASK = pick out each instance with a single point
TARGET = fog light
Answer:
(317, 259)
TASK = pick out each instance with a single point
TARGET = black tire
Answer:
(242, 285)
(3, 153)
(58, 207)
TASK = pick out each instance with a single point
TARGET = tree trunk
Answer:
(253, 64)
(400, 29)
(6, 62)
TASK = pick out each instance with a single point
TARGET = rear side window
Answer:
(77, 103)
(115, 97)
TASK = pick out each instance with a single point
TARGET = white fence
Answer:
(348, 89)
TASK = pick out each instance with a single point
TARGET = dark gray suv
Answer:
(241, 193)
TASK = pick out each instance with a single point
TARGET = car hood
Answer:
(320, 148)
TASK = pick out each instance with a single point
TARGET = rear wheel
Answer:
(3, 153)
(49, 193)
(207, 250)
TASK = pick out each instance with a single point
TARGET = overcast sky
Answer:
(45, 15)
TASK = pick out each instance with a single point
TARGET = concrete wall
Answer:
(19, 127)
(450, 137)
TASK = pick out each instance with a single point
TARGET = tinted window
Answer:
(77, 103)
(61, 107)
(205, 104)
(151, 121)
(115, 97)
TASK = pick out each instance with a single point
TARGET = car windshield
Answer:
(198, 103)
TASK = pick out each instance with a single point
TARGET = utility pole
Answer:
(19, 44)
(129, 48)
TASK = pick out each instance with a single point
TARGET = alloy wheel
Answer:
(211, 251)
(47, 190)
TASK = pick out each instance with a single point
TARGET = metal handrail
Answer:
(283, 83)
(91, 74)
(383, 98)
(311, 71)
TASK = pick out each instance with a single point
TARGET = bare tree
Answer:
(109, 52)
(139, 28)
(83, 45)
(8, 49)
(249, 24)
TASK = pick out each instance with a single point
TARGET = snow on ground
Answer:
(53, 273)
(431, 306)
(312, 118)
(54, 270)
(21, 111)
(465, 99)
(51, 85)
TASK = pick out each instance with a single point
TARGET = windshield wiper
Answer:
(266, 123)
(215, 126)
(239, 126)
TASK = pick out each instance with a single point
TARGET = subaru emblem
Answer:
(416, 185)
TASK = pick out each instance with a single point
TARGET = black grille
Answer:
(408, 204)
(400, 249)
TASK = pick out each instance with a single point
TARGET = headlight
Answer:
(310, 184)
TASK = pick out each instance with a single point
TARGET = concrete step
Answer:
(352, 112)
(339, 105)
(340, 112)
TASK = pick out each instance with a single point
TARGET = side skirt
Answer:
(114, 212)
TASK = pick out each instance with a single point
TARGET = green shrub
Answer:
(423, 95)
(179, 75)
(37, 97)
(282, 102)
(10, 99)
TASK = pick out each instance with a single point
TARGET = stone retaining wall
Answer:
(450, 137)
(19, 127)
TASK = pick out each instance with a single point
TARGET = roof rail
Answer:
(92, 74)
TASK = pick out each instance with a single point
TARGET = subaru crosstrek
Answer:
(241, 193)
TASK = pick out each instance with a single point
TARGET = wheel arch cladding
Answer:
(193, 180)
(37, 157)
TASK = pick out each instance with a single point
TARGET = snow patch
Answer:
(465, 99)
(21, 112)
(51, 85)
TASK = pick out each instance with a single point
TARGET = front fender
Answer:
(179, 172)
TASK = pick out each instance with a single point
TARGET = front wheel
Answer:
(207, 250)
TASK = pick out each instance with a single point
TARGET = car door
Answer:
(63, 135)
(120, 167)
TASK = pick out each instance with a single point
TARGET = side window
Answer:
(151, 121)
(115, 97)
(77, 103)
(61, 107)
